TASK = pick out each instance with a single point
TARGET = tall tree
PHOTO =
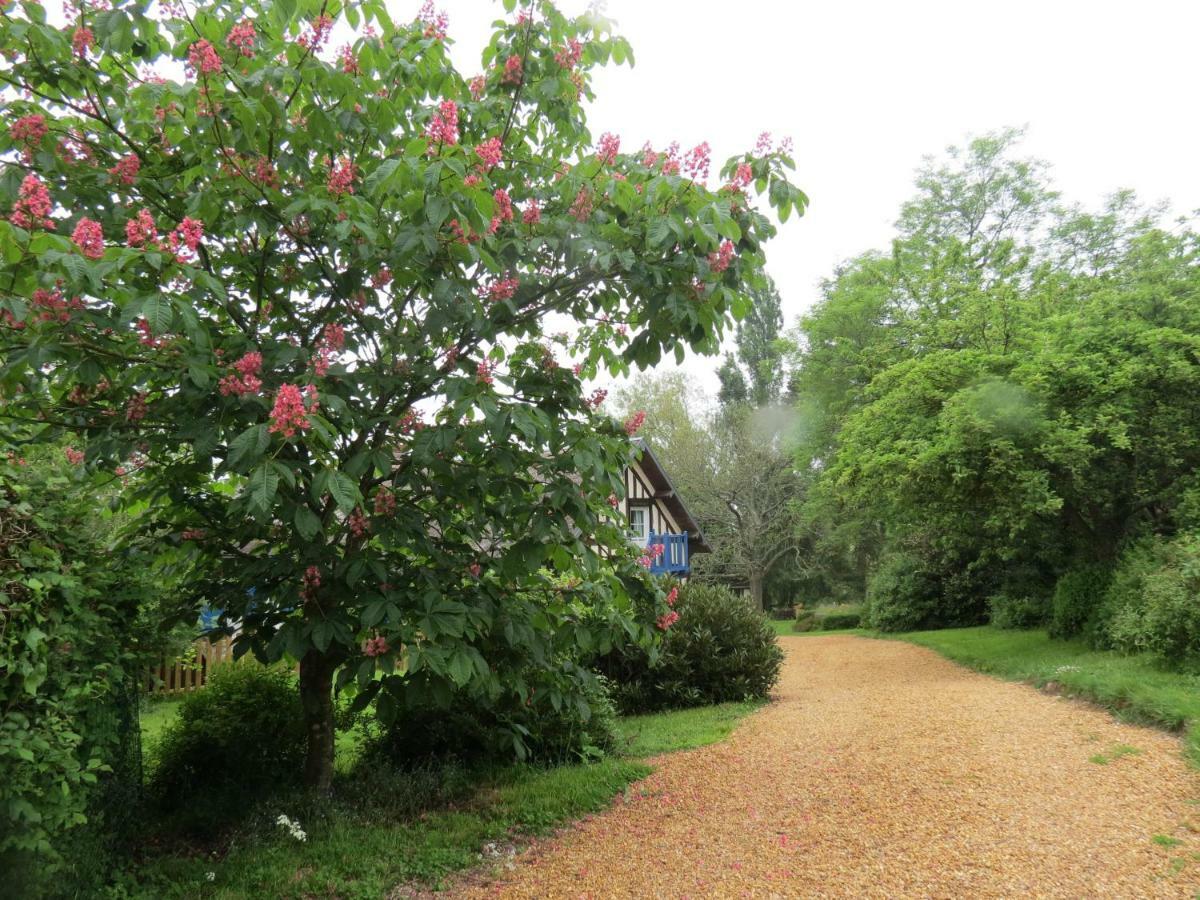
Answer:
(297, 297)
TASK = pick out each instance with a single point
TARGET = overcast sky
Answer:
(1106, 91)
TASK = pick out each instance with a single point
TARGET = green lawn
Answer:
(361, 845)
(1133, 687)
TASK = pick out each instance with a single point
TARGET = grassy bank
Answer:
(417, 827)
(1133, 687)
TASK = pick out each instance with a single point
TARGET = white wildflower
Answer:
(293, 828)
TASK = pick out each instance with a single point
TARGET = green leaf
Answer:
(344, 491)
(263, 485)
(248, 447)
(307, 523)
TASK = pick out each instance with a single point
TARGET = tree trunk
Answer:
(316, 695)
(756, 589)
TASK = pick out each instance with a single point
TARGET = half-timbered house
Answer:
(657, 514)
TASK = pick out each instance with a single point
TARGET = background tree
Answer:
(297, 297)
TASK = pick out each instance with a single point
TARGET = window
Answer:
(639, 524)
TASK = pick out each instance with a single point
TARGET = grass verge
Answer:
(368, 839)
(1132, 687)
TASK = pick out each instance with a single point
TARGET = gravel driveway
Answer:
(883, 770)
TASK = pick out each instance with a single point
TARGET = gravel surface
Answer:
(883, 770)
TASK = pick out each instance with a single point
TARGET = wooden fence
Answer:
(190, 672)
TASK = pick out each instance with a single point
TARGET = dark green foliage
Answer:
(836, 621)
(1017, 611)
(783, 613)
(239, 738)
(805, 621)
(1153, 604)
(902, 595)
(721, 649)
(482, 729)
(1077, 598)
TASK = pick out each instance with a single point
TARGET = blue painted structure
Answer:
(674, 559)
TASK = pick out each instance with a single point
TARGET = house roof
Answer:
(664, 492)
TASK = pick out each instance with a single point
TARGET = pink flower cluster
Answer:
(385, 502)
(349, 60)
(490, 152)
(376, 646)
(613, 501)
(202, 58)
(126, 169)
(635, 422)
(513, 70)
(673, 594)
(241, 38)
(435, 22)
(316, 34)
(28, 130)
(332, 339)
(357, 523)
(443, 127)
(568, 57)
(82, 41)
(74, 457)
(485, 372)
(382, 278)
(741, 178)
(533, 213)
(598, 396)
(719, 260)
(264, 172)
(697, 161)
(341, 177)
(504, 289)
(581, 208)
(89, 238)
(184, 241)
(477, 86)
(610, 146)
(312, 581)
(667, 619)
(244, 378)
(32, 209)
(653, 552)
(52, 305)
(136, 408)
(475, 569)
(289, 413)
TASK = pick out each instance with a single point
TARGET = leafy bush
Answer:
(1076, 601)
(721, 649)
(783, 613)
(479, 728)
(236, 739)
(805, 621)
(1017, 611)
(902, 595)
(71, 644)
(834, 621)
(1152, 605)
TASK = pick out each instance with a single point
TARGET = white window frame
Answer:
(643, 535)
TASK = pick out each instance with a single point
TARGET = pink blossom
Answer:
(613, 501)
(568, 57)
(484, 372)
(244, 379)
(82, 41)
(140, 231)
(264, 172)
(598, 396)
(696, 162)
(385, 502)
(349, 61)
(147, 338)
(126, 168)
(89, 238)
(376, 646)
(357, 523)
(28, 130)
(741, 178)
(241, 38)
(671, 163)
(513, 70)
(192, 534)
(581, 208)
(475, 569)
(471, 180)
(53, 306)
(316, 33)
(74, 457)
(332, 340)
(434, 23)
(673, 594)
(135, 409)
(490, 152)
(382, 278)
(32, 209)
(443, 127)
(533, 213)
(411, 420)
(187, 233)
(289, 414)
(667, 619)
(504, 207)
(477, 86)
(501, 290)
(635, 422)
(764, 143)
(341, 177)
(203, 58)
(312, 581)
(719, 261)
(610, 146)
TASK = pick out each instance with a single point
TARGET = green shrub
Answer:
(834, 621)
(1077, 598)
(1154, 603)
(902, 595)
(479, 728)
(783, 613)
(235, 740)
(720, 650)
(1019, 611)
(805, 621)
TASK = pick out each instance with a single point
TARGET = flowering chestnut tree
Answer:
(298, 290)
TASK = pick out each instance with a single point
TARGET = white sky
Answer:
(867, 87)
